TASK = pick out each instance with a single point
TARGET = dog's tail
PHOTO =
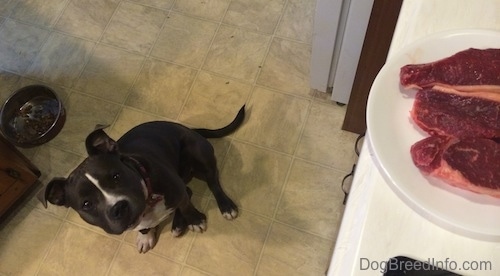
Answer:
(221, 132)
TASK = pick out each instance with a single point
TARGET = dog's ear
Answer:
(99, 142)
(53, 192)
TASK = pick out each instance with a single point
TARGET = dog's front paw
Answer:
(197, 222)
(146, 241)
(177, 232)
(179, 224)
(200, 227)
(228, 209)
(230, 214)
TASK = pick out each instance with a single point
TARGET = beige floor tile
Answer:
(19, 44)
(275, 120)
(57, 211)
(312, 199)
(287, 67)
(28, 152)
(188, 271)
(6, 7)
(9, 82)
(129, 262)
(25, 240)
(237, 53)
(134, 27)
(43, 13)
(83, 114)
(61, 59)
(324, 141)
(324, 97)
(86, 18)
(297, 21)
(214, 101)
(229, 247)
(162, 4)
(161, 88)
(53, 162)
(211, 9)
(254, 177)
(110, 73)
(127, 119)
(74, 244)
(184, 40)
(199, 187)
(260, 15)
(292, 252)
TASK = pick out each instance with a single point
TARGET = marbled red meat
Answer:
(470, 164)
(458, 104)
(468, 70)
(454, 114)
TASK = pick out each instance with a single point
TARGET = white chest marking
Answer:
(111, 199)
(154, 215)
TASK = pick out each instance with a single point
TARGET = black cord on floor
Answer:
(357, 150)
(351, 174)
(344, 189)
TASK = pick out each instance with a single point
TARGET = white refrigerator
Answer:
(338, 35)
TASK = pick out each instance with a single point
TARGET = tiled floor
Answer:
(197, 62)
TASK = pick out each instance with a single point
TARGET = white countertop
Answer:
(377, 224)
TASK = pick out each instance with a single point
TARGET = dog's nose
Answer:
(119, 210)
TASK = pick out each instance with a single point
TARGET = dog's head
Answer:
(105, 189)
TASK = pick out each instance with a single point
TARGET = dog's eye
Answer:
(116, 176)
(87, 205)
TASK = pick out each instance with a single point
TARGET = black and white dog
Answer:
(138, 181)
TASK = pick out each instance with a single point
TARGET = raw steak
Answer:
(470, 164)
(468, 70)
(446, 113)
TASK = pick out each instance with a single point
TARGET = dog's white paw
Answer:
(176, 232)
(230, 215)
(147, 241)
(200, 228)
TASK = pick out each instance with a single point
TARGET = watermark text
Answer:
(428, 265)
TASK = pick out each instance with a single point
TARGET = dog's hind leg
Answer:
(205, 168)
(227, 207)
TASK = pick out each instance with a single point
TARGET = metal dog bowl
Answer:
(31, 116)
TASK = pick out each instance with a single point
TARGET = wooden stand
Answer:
(17, 175)
(373, 55)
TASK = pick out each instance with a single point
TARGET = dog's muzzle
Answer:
(120, 210)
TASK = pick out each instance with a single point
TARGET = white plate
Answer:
(391, 134)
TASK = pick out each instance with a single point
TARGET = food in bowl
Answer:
(31, 116)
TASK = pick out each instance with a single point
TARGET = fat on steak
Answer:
(468, 70)
(470, 164)
(444, 112)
